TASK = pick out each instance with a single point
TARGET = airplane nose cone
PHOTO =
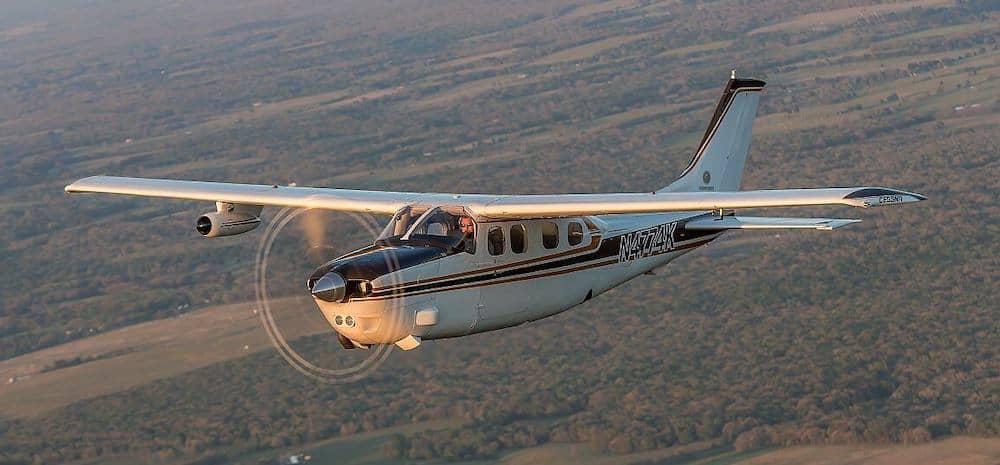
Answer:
(331, 287)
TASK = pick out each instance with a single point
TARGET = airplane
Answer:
(454, 264)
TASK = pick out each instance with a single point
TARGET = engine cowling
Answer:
(228, 220)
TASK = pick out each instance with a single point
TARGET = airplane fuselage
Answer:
(533, 269)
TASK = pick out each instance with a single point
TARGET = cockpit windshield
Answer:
(435, 226)
(400, 223)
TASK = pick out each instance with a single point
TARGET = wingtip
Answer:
(80, 184)
(877, 196)
(73, 187)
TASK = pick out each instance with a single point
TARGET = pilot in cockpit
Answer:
(467, 229)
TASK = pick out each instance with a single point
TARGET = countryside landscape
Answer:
(125, 337)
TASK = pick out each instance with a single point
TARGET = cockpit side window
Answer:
(447, 227)
(467, 230)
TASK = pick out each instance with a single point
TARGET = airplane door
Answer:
(458, 303)
(459, 293)
(490, 257)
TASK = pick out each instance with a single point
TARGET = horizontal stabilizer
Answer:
(768, 222)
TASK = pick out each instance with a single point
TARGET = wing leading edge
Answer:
(491, 206)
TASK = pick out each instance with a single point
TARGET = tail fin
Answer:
(718, 163)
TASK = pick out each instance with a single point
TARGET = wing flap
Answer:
(768, 222)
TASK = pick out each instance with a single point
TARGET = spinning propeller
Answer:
(312, 224)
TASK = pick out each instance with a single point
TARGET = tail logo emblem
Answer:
(706, 177)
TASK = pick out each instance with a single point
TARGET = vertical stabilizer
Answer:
(718, 163)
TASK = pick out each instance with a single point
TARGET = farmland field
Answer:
(126, 338)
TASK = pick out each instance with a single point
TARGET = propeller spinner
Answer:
(331, 287)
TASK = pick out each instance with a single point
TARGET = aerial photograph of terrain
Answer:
(126, 337)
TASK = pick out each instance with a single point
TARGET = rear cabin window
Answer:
(550, 235)
(575, 233)
(495, 240)
(517, 238)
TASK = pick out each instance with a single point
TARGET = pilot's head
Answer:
(466, 226)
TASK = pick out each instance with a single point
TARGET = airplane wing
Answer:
(539, 206)
(491, 206)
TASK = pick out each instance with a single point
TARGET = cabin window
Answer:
(517, 238)
(575, 233)
(495, 240)
(550, 235)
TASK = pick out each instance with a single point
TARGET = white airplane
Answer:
(450, 265)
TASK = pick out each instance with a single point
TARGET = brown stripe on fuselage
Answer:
(595, 242)
(445, 287)
(499, 281)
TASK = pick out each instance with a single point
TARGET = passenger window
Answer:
(550, 235)
(575, 233)
(495, 240)
(517, 238)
